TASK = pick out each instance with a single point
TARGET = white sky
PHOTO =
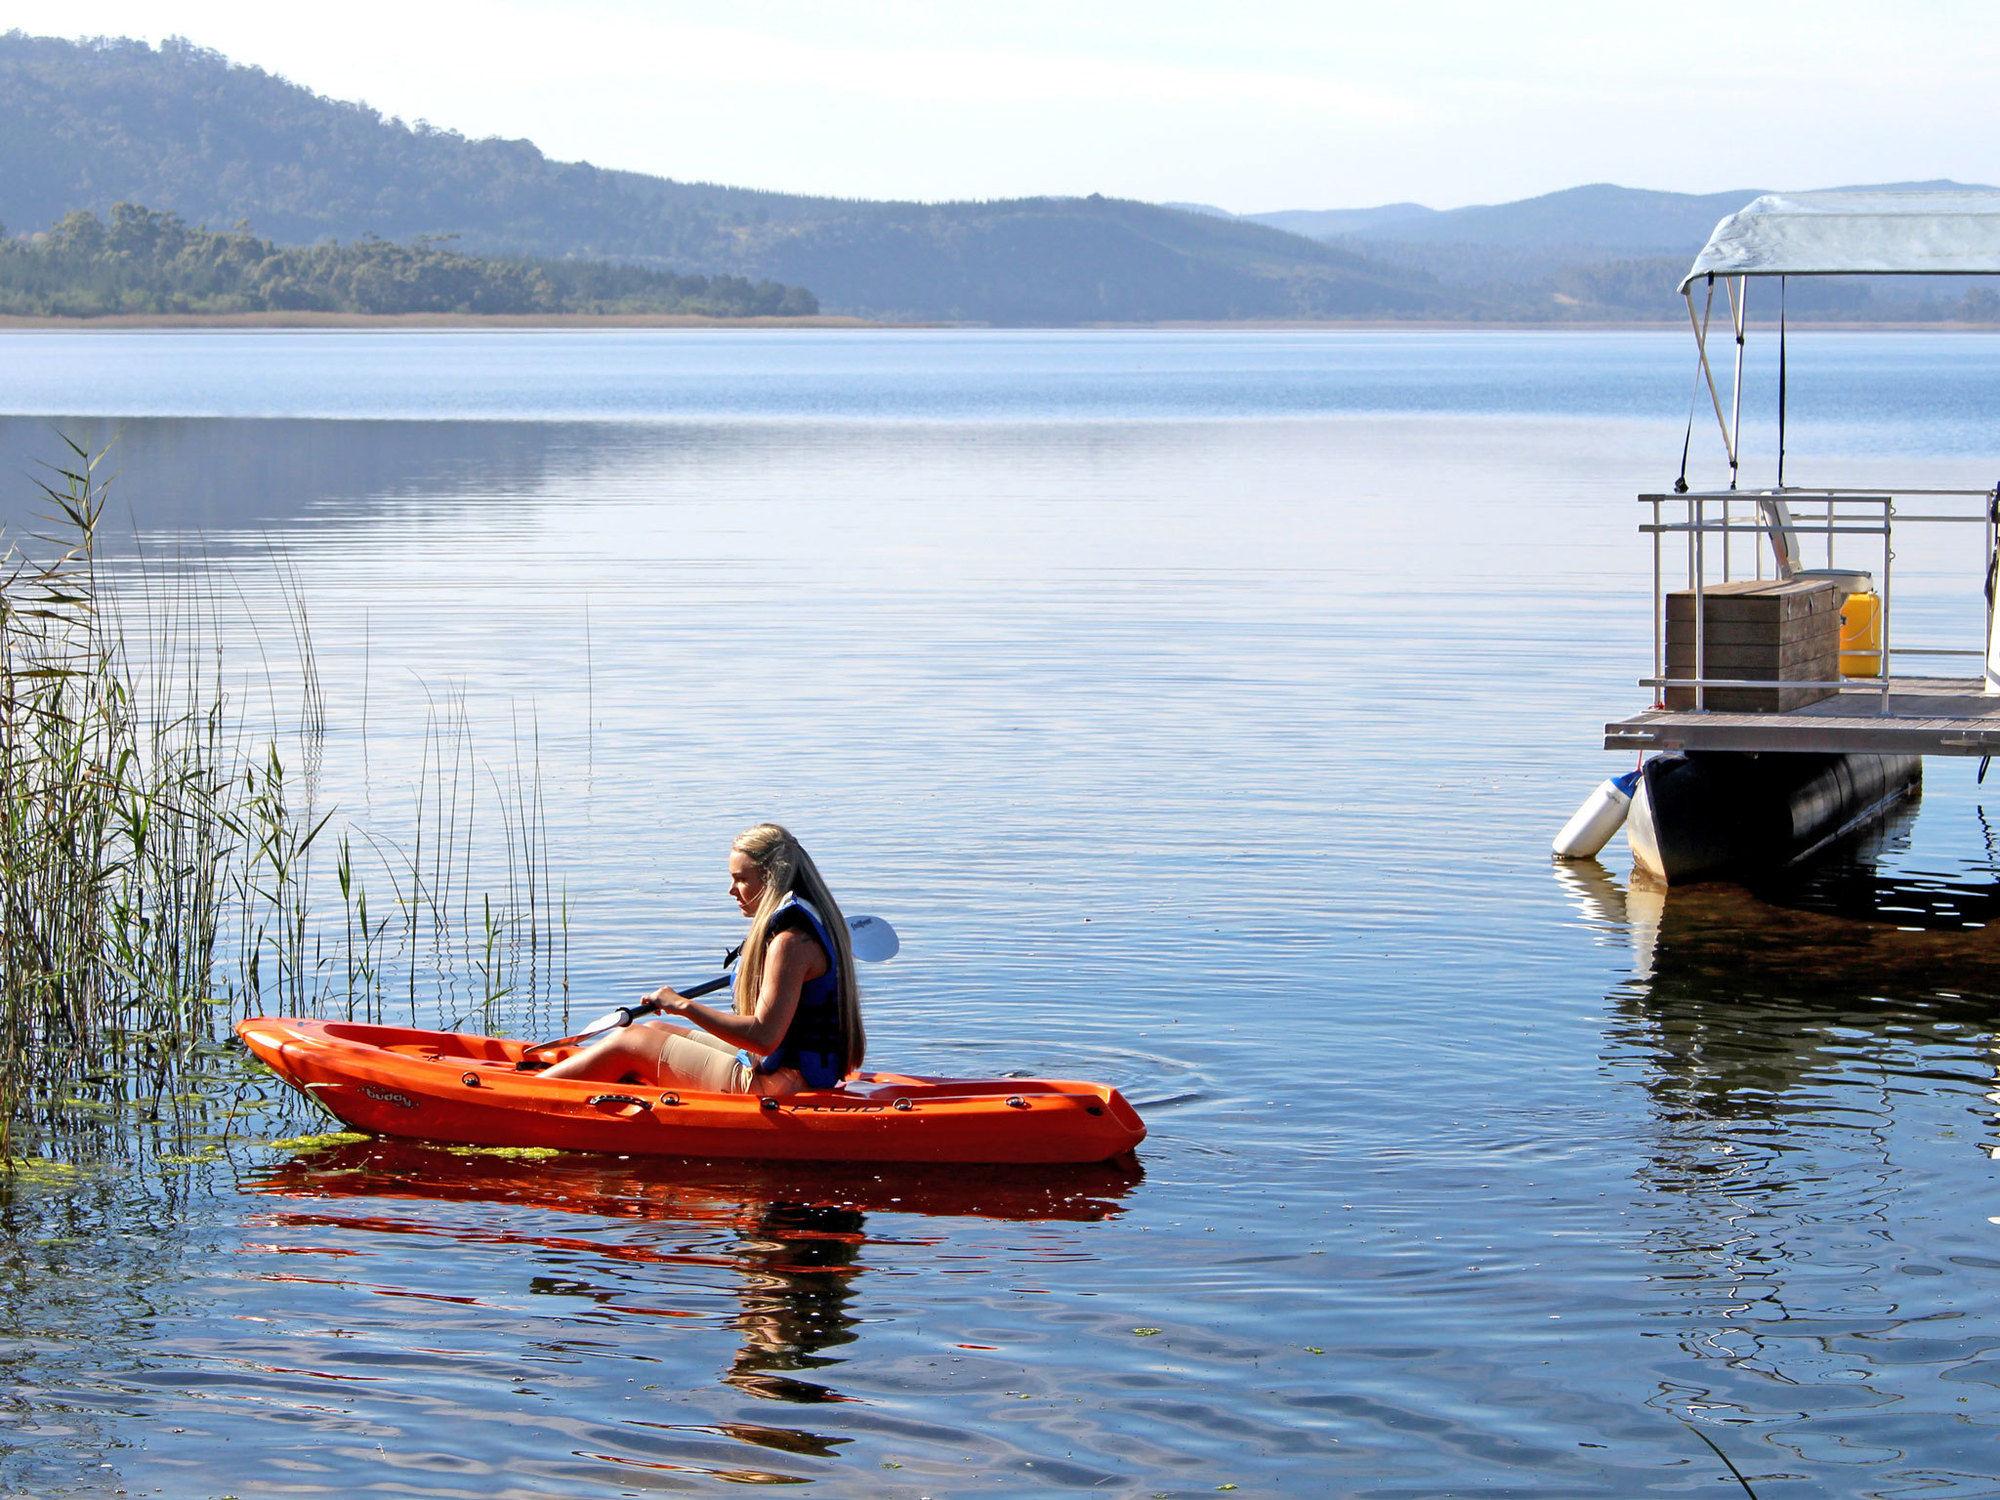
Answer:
(1252, 105)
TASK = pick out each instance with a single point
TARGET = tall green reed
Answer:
(158, 849)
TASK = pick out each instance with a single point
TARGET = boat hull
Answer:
(1710, 813)
(460, 1089)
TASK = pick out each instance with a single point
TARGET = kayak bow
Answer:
(459, 1089)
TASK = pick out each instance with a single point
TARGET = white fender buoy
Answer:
(1602, 814)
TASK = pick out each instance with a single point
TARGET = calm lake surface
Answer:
(1198, 707)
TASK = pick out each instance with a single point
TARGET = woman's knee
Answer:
(627, 1051)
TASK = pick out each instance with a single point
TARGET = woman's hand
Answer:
(667, 1001)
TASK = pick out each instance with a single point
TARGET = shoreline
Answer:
(349, 321)
(390, 322)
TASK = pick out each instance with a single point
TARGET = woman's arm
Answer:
(793, 960)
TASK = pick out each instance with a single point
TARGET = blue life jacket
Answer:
(813, 1043)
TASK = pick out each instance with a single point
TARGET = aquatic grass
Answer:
(158, 851)
(321, 1142)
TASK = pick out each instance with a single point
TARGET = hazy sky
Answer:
(1256, 104)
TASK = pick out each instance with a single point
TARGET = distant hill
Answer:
(1336, 223)
(1581, 222)
(1594, 220)
(84, 125)
(1604, 251)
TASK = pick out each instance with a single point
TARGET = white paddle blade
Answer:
(872, 939)
(623, 1016)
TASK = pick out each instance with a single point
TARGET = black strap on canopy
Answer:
(1694, 395)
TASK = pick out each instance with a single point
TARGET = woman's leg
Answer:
(628, 1055)
(777, 1085)
(707, 1039)
(670, 1055)
(682, 1059)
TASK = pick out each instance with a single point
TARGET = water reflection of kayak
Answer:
(652, 1190)
(467, 1090)
(796, 1235)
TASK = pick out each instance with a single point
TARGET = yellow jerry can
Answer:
(1861, 635)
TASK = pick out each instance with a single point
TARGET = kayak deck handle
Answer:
(622, 1101)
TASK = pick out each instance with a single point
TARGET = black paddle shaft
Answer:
(693, 992)
(627, 1014)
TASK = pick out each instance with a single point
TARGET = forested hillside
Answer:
(180, 129)
(141, 261)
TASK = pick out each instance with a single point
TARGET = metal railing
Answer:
(1776, 525)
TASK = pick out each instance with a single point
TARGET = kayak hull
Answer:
(459, 1089)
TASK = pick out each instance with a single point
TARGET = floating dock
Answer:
(1913, 716)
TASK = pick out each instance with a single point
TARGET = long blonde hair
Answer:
(788, 870)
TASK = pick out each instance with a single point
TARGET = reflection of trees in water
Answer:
(225, 476)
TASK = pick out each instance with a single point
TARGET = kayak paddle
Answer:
(872, 940)
(869, 938)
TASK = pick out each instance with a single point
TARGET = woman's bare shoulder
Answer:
(794, 946)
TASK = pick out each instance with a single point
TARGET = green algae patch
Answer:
(192, 1158)
(508, 1153)
(39, 1171)
(320, 1142)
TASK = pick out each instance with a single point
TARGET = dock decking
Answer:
(1918, 716)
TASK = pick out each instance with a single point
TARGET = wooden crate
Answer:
(1757, 630)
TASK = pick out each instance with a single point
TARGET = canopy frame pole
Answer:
(1782, 382)
(1700, 326)
(1738, 288)
(1992, 664)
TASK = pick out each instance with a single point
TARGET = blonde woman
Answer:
(797, 1020)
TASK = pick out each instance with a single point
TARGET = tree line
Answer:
(139, 260)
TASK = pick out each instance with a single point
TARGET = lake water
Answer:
(1199, 707)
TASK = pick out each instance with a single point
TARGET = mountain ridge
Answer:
(181, 129)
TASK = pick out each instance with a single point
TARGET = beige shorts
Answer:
(696, 1060)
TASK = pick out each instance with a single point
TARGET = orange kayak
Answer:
(458, 1089)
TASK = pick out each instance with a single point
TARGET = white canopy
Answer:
(1928, 232)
